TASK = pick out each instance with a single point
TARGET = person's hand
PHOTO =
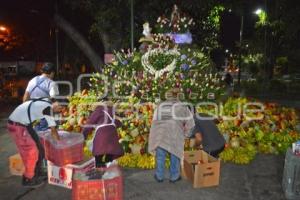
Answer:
(198, 139)
(55, 137)
(54, 134)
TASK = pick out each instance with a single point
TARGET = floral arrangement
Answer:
(135, 82)
(148, 67)
(163, 41)
(148, 76)
(178, 23)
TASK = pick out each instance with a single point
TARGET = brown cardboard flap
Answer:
(207, 174)
(188, 171)
(212, 159)
(195, 156)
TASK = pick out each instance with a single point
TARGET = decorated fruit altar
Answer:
(137, 80)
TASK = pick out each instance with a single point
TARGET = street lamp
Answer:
(263, 22)
(4, 32)
(3, 28)
(258, 11)
(262, 15)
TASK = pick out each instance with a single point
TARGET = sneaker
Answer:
(157, 179)
(34, 182)
(174, 181)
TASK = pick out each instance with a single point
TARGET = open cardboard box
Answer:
(201, 169)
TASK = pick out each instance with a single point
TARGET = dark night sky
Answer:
(33, 18)
(26, 15)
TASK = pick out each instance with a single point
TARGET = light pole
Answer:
(262, 21)
(132, 24)
(57, 42)
(240, 51)
(258, 12)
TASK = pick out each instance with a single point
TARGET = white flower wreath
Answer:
(152, 52)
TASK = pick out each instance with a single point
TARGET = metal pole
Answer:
(56, 42)
(57, 53)
(265, 45)
(240, 51)
(132, 24)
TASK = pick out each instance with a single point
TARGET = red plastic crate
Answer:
(68, 150)
(100, 189)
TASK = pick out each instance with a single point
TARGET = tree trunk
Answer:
(80, 41)
(110, 42)
(106, 42)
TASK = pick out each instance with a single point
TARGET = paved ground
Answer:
(261, 180)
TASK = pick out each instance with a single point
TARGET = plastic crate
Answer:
(67, 150)
(98, 189)
(291, 176)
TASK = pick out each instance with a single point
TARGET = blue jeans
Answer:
(160, 164)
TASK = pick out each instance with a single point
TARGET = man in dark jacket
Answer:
(207, 133)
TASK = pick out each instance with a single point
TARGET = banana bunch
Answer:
(266, 148)
(128, 160)
(251, 149)
(146, 161)
(239, 155)
(243, 155)
(227, 154)
(86, 149)
(143, 161)
(87, 152)
(241, 158)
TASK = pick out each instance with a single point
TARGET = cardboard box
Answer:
(201, 169)
(62, 176)
(16, 166)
